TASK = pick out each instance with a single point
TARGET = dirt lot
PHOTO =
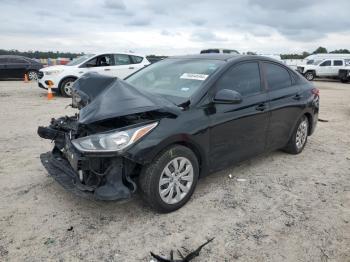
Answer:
(289, 208)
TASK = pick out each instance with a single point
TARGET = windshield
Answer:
(79, 60)
(176, 79)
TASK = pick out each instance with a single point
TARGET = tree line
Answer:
(40, 54)
(319, 50)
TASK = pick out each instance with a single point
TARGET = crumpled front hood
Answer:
(105, 97)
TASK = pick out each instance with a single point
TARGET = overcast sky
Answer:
(174, 27)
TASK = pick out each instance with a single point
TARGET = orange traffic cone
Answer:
(49, 93)
(25, 78)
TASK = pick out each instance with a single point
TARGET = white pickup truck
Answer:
(327, 68)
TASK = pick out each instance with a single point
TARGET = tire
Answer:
(309, 75)
(32, 75)
(153, 179)
(298, 139)
(344, 80)
(66, 87)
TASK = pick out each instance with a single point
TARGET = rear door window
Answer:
(243, 78)
(338, 62)
(277, 77)
(121, 59)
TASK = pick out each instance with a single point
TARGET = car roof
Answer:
(19, 56)
(227, 57)
(123, 53)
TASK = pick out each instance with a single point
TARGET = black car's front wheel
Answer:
(298, 139)
(168, 183)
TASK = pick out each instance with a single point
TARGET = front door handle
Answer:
(261, 107)
(107, 69)
(131, 67)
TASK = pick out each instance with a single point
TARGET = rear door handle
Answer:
(107, 69)
(261, 107)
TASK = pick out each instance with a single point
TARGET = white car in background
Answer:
(62, 77)
(328, 68)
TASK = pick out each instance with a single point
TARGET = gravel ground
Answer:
(281, 208)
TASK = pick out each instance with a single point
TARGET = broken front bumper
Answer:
(77, 173)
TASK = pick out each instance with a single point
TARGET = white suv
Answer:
(328, 68)
(62, 77)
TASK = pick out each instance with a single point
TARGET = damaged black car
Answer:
(161, 129)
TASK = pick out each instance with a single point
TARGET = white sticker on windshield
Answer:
(200, 77)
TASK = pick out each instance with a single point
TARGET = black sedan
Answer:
(175, 121)
(14, 67)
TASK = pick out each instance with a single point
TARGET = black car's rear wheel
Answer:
(168, 183)
(298, 140)
(32, 75)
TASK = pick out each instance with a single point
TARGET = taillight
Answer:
(315, 91)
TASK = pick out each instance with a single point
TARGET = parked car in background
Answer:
(219, 51)
(175, 121)
(317, 58)
(14, 67)
(62, 77)
(328, 68)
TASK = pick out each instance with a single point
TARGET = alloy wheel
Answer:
(309, 76)
(32, 75)
(301, 134)
(68, 88)
(176, 180)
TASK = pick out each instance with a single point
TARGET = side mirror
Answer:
(227, 96)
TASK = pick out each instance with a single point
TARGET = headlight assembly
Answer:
(112, 141)
(53, 72)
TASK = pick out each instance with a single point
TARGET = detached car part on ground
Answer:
(177, 120)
